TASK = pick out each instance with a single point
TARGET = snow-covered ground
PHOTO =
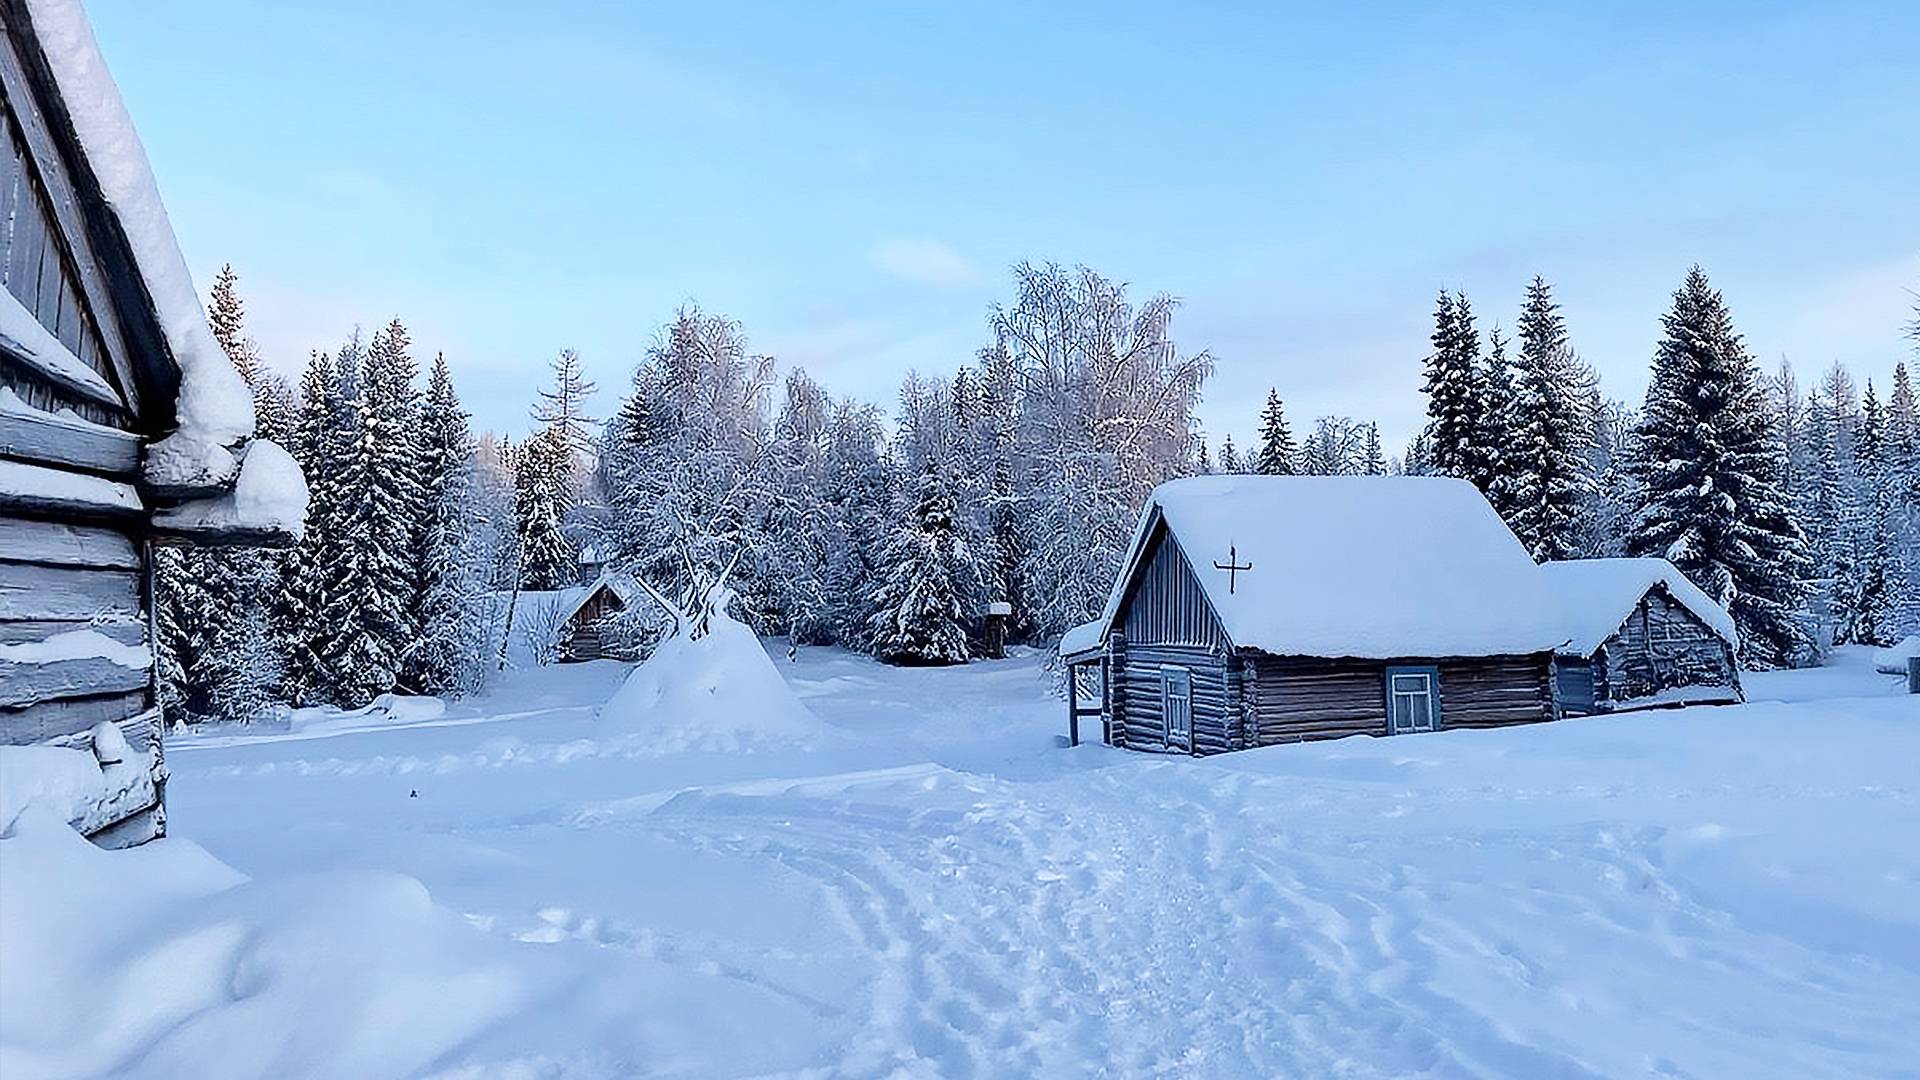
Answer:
(924, 884)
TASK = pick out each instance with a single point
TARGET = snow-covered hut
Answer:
(122, 424)
(1639, 634)
(1253, 610)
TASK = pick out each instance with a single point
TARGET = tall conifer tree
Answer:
(1710, 468)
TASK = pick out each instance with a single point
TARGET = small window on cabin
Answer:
(1176, 705)
(1413, 700)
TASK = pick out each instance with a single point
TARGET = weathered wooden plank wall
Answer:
(1663, 646)
(1575, 676)
(1136, 705)
(1167, 605)
(1296, 699)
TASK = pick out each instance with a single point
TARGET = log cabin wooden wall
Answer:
(1296, 699)
(1661, 646)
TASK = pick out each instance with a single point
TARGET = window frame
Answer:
(1431, 674)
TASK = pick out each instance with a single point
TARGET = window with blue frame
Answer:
(1413, 699)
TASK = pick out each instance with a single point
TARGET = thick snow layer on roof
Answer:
(1081, 638)
(270, 497)
(1362, 566)
(25, 335)
(1594, 596)
(214, 407)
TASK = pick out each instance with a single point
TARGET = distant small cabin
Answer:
(122, 424)
(1640, 635)
(1254, 610)
(573, 621)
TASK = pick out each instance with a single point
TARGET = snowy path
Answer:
(936, 890)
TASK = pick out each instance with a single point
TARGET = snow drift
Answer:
(718, 692)
(163, 961)
(1892, 660)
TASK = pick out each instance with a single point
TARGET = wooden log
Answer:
(126, 632)
(42, 438)
(48, 720)
(57, 543)
(36, 490)
(24, 684)
(32, 593)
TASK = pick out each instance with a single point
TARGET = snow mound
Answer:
(720, 692)
(61, 779)
(1892, 660)
(162, 960)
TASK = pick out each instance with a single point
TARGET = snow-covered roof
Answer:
(1594, 596)
(574, 598)
(1362, 566)
(214, 408)
(1084, 638)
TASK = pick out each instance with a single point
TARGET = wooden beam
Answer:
(40, 491)
(30, 683)
(58, 543)
(49, 720)
(31, 435)
(32, 593)
(58, 182)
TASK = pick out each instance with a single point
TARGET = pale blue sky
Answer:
(852, 181)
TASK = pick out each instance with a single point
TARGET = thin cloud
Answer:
(927, 261)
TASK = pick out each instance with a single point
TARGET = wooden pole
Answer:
(1913, 674)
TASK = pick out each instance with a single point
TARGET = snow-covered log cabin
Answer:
(1639, 634)
(122, 425)
(1254, 610)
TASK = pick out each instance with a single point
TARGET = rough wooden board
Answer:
(57, 543)
(47, 441)
(41, 491)
(126, 633)
(30, 592)
(30, 684)
(50, 720)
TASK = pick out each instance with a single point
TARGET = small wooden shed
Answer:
(584, 610)
(122, 423)
(1640, 635)
(1254, 610)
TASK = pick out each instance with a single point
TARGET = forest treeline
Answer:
(1017, 480)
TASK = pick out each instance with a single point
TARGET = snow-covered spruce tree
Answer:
(917, 617)
(1613, 499)
(450, 604)
(1496, 421)
(1547, 486)
(1372, 461)
(1277, 450)
(543, 482)
(380, 481)
(1229, 457)
(1456, 401)
(1829, 513)
(1903, 476)
(301, 616)
(860, 481)
(1710, 465)
(1879, 581)
(217, 656)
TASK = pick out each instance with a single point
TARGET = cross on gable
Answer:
(1232, 566)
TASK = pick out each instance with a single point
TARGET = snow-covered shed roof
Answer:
(1362, 566)
(211, 411)
(1082, 639)
(1594, 596)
